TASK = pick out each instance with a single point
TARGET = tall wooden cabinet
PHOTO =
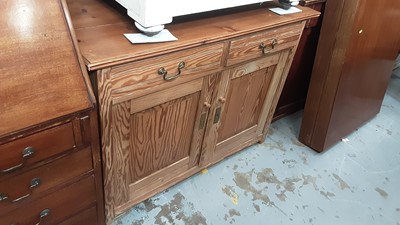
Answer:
(355, 58)
(169, 110)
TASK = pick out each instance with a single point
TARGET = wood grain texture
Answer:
(294, 93)
(180, 176)
(96, 33)
(326, 46)
(87, 217)
(52, 175)
(227, 146)
(244, 101)
(244, 89)
(120, 136)
(346, 88)
(46, 144)
(90, 130)
(156, 124)
(247, 47)
(154, 99)
(62, 204)
(161, 135)
(140, 78)
(209, 83)
(275, 90)
(110, 174)
(38, 66)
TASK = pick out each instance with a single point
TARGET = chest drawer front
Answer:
(87, 217)
(15, 189)
(55, 207)
(145, 76)
(36, 147)
(263, 43)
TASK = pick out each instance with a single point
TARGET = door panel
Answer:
(161, 135)
(157, 138)
(244, 99)
(246, 96)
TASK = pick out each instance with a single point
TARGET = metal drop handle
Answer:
(35, 182)
(26, 153)
(267, 49)
(43, 214)
(162, 71)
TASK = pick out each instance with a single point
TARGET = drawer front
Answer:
(15, 190)
(146, 76)
(263, 43)
(87, 217)
(36, 147)
(55, 207)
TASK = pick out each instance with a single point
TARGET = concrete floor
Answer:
(283, 182)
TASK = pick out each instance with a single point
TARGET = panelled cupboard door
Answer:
(158, 138)
(244, 98)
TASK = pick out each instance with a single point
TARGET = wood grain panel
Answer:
(255, 66)
(275, 89)
(121, 149)
(207, 93)
(139, 78)
(225, 147)
(161, 135)
(166, 95)
(113, 193)
(143, 195)
(245, 99)
(247, 47)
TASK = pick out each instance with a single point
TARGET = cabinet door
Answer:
(156, 141)
(244, 102)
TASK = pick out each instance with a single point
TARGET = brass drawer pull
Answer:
(162, 71)
(35, 182)
(26, 153)
(267, 49)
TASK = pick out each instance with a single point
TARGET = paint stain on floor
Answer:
(381, 192)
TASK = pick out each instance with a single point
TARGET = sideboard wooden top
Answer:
(41, 77)
(100, 28)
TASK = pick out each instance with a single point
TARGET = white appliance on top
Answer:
(153, 13)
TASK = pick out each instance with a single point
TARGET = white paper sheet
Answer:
(281, 11)
(163, 36)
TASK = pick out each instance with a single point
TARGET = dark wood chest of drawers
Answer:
(50, 166)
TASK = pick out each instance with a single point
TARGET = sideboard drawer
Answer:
(15, 189)
(36, 147)
(262, 43)
(143, 77)
(55, 207)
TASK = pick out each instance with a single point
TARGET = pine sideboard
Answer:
(168, 110)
